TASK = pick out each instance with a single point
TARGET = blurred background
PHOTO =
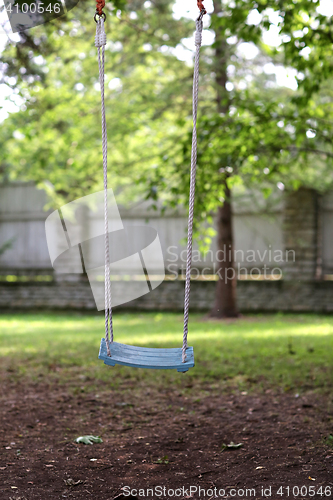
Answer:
(265, 174)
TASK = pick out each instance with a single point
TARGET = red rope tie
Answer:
(100, 4)
(201, 6)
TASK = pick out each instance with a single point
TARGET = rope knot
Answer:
(198, 33)
(100, 38)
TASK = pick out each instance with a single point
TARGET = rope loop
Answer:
(100, 37)
(198, 33)
(97, 17)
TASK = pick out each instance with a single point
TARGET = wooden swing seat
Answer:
(146, 357)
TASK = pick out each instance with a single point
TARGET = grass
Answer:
(288, 352)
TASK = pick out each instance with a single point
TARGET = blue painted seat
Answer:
(146, 357)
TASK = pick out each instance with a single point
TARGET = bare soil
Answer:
(168, 438)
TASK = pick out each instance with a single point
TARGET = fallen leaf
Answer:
(163, 460)
(71, 482)
(88, 439)
(329, 440)
(231, 446)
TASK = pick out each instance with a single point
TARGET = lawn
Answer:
(257, 352)
(263, 382)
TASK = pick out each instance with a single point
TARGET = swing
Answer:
(113, 353)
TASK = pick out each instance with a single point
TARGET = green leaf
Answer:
(329, 440)
(88, 439)
(231, 446)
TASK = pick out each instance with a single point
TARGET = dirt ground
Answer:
(166, 441)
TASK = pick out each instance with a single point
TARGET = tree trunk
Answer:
(225, 299)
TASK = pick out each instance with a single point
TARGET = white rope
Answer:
(198, 41)
(100, 41)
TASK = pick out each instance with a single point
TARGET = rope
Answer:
(100, 41)
(201, 7)
(198, 41)
(100, 4)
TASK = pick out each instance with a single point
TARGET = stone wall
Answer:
(302, 235)
(307, 233)
(269, 296)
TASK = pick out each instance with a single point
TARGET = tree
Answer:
(254, 136)
(247, 133)
(55, 138)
